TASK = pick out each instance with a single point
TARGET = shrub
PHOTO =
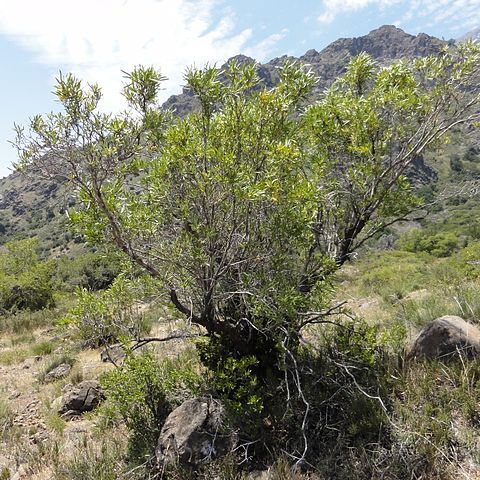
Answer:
(92, 271)
(25, 281)
(235, 380)
(112, 314)
(439, 244)
(467, 261)
(144, 391)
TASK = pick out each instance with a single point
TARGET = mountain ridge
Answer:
(29, 208)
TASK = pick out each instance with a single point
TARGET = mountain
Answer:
(35, 208)
(472, 35)
(385, 44)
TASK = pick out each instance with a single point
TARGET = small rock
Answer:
(113, 354)
(28, 363)
(57, 373)
(67, 387)
(84, 397)
(446, 337)
(20, 473)
(259, 475)
(56, 404)
(15, 394)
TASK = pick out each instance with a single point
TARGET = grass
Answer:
(42, 349)
(93, 462)
(22, 339)
(6, 417)
(436, 414)
(14, 356)
(55, 423)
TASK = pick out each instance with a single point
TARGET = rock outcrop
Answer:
(84, 397)
(446, 337)
(57, 373)
(192, 434)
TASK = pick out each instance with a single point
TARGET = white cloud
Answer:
(97, 39)
(455, 15)
(261, 49)
(334, 7)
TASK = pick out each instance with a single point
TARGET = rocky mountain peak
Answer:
(241, 59)
(386, 43)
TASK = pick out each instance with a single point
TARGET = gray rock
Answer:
(57, 373)
(83, 397)
(446, 337)
(113, 354)
(71, 415)
(192, 434)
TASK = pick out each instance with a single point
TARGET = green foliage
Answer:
(144, 391)
(235, 379)
(467, 261)
(240, 215)
(25, 281)
(112, 314)
(441, 244)
(92, 271)
(456, 163)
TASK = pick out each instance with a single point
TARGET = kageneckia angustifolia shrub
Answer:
(244, 209)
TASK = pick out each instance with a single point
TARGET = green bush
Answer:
(235, 380)
(25, 281)
(144, 391)
(92, 271)
(467, 261)
(438, 244)
(110, 315)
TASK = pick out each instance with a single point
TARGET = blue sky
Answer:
(96, 39)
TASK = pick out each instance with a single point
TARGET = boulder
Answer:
(191, 434)
(445, 337)
(57, 373)
(80, 398)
